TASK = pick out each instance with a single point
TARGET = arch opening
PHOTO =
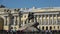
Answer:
(1, 23)
(58, 27)
(46, 27)
(43, 28)
(50, 27)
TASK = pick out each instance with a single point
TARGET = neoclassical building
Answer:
(48, 18)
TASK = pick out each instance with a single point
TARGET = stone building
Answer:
(48, 18)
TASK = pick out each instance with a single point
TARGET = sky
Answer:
(30, 3)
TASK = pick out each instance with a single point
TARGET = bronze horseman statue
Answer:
(30, 27)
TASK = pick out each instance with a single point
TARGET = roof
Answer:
(35, 9)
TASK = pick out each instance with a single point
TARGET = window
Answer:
(12, 20)
(40, 21)
(50, 27)
(39, 27)
(25, 16)
(58, 27)
(32, 20)
(54, 27)
(46, 27)
(22, 22)
(58, 22)
(43, 28)
(15, 28)
(43, 23)
(54, 21)
(25, 22)
(46, 21)
(50, 22)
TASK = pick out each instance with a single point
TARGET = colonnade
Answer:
(8, 21)
(49, 19)
(46, 21)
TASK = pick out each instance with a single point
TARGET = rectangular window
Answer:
(43, 22)
(40, 21)
(54, 22)
(16, 20)
(12, 20)
(46, 21)
(58, 22)
(50, 22)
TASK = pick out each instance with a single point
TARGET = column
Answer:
(52, 19)
(18, 20)
(48, 19)
(45, 20)
(38, 18)
(56, 19)
(8, 21)
(14, 20)
(34, 18)
(23, 23)
(41, 19)
(5, 21)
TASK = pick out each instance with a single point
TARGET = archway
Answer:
(50, 27)
(46, 27)
(42, 27)
(1, 23)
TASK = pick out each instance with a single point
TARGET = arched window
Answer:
(54, 27)
(43, 28)
(46, 27)
(58, 27)
(50, 27)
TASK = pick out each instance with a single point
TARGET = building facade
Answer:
(48, 18)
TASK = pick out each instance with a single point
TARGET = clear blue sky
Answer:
(30, 3)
